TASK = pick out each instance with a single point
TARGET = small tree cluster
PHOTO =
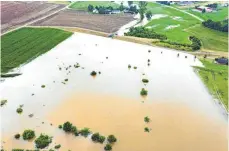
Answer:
(147, 119)
(145, 80)
(93, 73)
(144, 92)
(17, 136)
(28, 134)
(3, 102)
(43, 141)
(85, 132)
(96, 137)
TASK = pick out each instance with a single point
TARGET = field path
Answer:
(200, 19)
(36, 20)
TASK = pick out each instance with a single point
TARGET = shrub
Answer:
(145, 80)
(129, 66)
(135, 67)
(57, 146)
(146, 129)
(96, 137)
(93, 73)
(28, 134)
(144, 32)
(3, 102)
(60, 126)
(85, 132)
(65, 80)
(111, 139)
(147, 119)
(43, 141)
(148, 15)
(108, 147)
(17, 136)
(19, 110)
(43, 86)
(74, 129)
(67, 127)
(143, 92)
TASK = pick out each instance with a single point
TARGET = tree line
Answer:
(220, 26)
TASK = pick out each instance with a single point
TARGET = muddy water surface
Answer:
(183, 115)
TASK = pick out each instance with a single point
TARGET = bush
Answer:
(143, 92)
(60, 126)
(74, 129)
(93, 73)
(19, 110)
(144, 33)
(135, 67)
(147, 119)
(145, 80)
(111, 139)
(96, 137)
(67, 127)
(28, 134)
(17, 136)
(65, 80)
(108, 147)
(43, 86)
(57, 146)
(3, 102)
(85, 132)
(149, 15)
(146, 129)
(43, 141)
(129, 66)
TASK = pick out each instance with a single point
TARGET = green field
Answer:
(186, 26)
(211, 39)
(220, 15)
(83, 5)
(215, 78)
(25, 44)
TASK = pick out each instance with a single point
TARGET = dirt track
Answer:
(97, 22)
(15, 13)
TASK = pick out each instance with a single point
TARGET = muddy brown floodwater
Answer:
(184, 116)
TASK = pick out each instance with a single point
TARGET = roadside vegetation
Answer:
(28, 43)
(215, 77)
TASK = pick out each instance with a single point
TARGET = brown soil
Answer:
(82, 19)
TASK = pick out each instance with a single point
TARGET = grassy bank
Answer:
(25, 44)
(215, 77)
(83, 5)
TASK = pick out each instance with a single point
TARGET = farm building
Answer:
(207, 9)
(222, 60)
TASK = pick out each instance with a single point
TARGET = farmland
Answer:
(82, 19)
(83, 5)
(25, 12)
(216, 79)
(178, 26)
(25, 44)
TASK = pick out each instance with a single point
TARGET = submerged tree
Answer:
(142, 9)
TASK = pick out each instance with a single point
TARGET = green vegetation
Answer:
(129, 66)
(19, 110)
(146, 129)
(111, 139)
(3, 102)
(108, 147)
(145, 80)
(60, 126)
(144, 33)
(135, 67)
(25, 44)
(143, 92)
(83, 5)
(43, 141)
(67, 127)
(43, 86)
(220, 26)
(142, 9)
(215, 77)
(57, 146)
(28, 134)
(211, 39)
(85, 132)
(17, 136)
(96, 137)
(147, 119)
(93, 73)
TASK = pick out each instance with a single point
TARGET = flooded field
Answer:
(183, 115)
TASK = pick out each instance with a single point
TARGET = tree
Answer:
(148, 15)
(17, 136)
(43, 141)
(28, 134)
(147, 119)
(142, 9)
(108, 147)
(133, 9)
(85, 132)
(121, 7)
(111, 139)
(67, 127)
(204, 10)
(130, 3)
(90, 8)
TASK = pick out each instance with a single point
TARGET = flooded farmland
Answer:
(184, 116)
